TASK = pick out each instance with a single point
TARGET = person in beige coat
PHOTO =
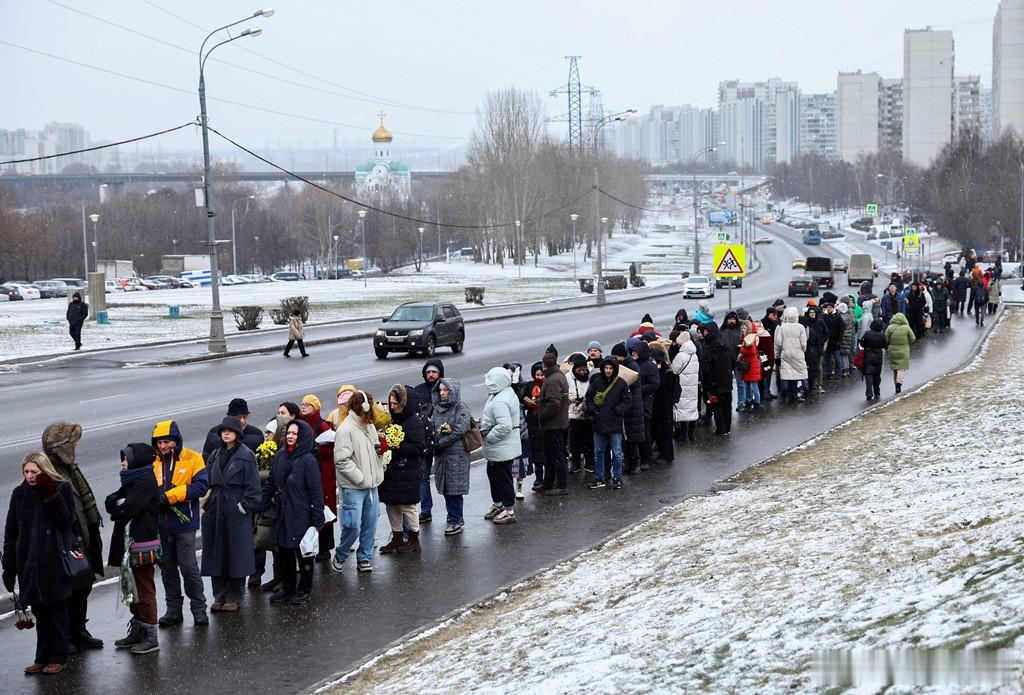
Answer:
(359, 471)
(296, 332)
(790, 348)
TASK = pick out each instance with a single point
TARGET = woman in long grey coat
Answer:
(228, 557)
(451, 460)
(790, 347)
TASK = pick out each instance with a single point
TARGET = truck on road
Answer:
(861, 268)
(820, 268)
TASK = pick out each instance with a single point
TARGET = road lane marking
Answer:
(102, 398)
(261, 371)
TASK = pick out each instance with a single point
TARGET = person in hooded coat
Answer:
(76, 314)
(581, 431)
(227, 520)
(664, 402)
(499, 425)
(682, 321)
(686, 367)
(729, 333)
(650, 379)
(400, 489)
(898, 339)
(790, 351)
(849, 330)
(717, 370)
(309, 412)
(607, 403)
(940, 305)
(748, 395)
(916, 309)
(634, 420)
(960, 287)
(451, 419)
(427, 393)
(521, 466)
(135, 507)
(817, 337)
(296, 498)
(873, 342)
(60, 443)
(703, 314)
(530, 397)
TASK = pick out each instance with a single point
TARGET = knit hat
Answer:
(811, 302)
(271, 426)
(631, 343)
(578, 361)
(646, 319)
(552, 350)
(594, 345)
(238, 406)
(61, 438)
(312, 400)
(779, 303)
(138, 455)
(619, 350)
(742, 314)
(649, 336)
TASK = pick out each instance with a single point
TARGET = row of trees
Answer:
(515, 171)
(970, 192)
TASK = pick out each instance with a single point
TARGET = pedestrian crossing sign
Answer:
(723, 236)
(872, 210)
(910, 232)
(729, 261)
(911, 244)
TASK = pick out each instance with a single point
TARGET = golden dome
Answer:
(382, 134)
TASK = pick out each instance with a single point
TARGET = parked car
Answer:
(133, 284)
(766, 219)
(722, 282)
(49, 289)
(233, 280)
(286, 277)
(168, 280)
(763, 239)
(699, 286)
(26, 290)
(151, 284)
(10, 293)
(839, 265)
(420, 327)
(72, 283)
(113, 286)
(803, 284)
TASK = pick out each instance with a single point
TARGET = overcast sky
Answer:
(436, 59)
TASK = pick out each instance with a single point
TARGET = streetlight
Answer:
(519, 262)
(611, 118)
(419, 266)
(334, 263)
(174, 247)
(362, 228)
(95, 259)
(256, 243)
(574, 217)
(696, 214)
(217, 342)
(1020, 248)
(234, 246)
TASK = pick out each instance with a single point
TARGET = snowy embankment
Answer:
(900, 530)
(37, 327)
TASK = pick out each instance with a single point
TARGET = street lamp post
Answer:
(419, 266)
(519, 249)
(217, 343)
(234, 245)
(362, 229)
(696, 213)
(256, 243)
(1020, 247)
(95, 243)
(574, 217)
(611, 118)
(334, 256)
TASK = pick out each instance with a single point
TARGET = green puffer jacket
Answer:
(898, 339)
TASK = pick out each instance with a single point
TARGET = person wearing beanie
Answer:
(595, 353)
(581, 432)
(338, 415)
(309, 412)
(251, 435)
(429, 394)
(227, 522)
(135, 507)
(76, 314)
(703, 314)
(553, 418)
(60, 442)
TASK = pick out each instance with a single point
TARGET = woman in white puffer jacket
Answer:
(686, 367)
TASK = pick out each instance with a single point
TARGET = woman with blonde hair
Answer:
(37, 541)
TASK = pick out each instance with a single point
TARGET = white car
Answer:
(112, 286)
(27, 291)
(699, 286)
(134, 284)
(839, 265)
(763, 239)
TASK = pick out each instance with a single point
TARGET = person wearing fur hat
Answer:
(135, 508)
(553, 417)
(581, 431)
(227, 521)
(60, 441)
(309, 412)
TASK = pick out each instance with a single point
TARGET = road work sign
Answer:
(729, 261)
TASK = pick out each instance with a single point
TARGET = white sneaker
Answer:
(519, 490)
(505, 517)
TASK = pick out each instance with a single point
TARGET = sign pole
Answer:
(730, 293)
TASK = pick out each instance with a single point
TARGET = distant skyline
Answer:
(437, 60)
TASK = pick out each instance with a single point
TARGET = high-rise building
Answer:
(890, 116)
(697, 131)
(818, 124)
(967, 114)
(985, 114)
(1008, 68)
(68, 137)
(858, 97)
(763, 113)
(743, 131)
(928, 112)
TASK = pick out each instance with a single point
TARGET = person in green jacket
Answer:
(898, 339)
(940, 305)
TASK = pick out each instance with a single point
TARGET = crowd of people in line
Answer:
(282, 489)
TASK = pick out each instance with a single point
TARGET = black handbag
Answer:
(74, 562)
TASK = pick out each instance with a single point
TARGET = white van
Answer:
(861, 268)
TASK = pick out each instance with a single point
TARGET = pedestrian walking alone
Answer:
(77, 313)
(296, 333)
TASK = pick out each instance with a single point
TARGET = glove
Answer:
(9, 577)
(47, 488)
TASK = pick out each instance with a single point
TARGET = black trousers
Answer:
(286, 560)
(723, 413)
(302, 347)
(78, 610)
(499, 475)
(666, 447)
(647, 445)
(581, 443)
(52, 635)
(75, 329)
(555, 465)
(872, 384)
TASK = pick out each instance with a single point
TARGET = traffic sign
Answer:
(910, 232)
(729, 261)
(871, 210)
(911, 245)
(723, 237)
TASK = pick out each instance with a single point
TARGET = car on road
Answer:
(803, 284)
(699, 286)
(763, 239)
(766, 219)
(723, 282)
(286, 276)
(26, 290)
(420, 327)
(799, 264)
(839, 265)
(10, 293)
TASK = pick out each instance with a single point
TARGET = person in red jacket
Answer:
(749, 395)
(309, 412)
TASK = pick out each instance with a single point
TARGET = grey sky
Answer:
(441, 55)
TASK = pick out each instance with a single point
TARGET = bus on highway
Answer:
(812, 235)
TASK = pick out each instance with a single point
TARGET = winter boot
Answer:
(171, 617)
(136, 630)
(412, 545)
(396, 543)
(199, 617)
(150, 640)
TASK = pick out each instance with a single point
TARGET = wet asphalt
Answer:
(274, 649)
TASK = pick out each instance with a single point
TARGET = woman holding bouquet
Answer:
(400, 490)
(451, 460)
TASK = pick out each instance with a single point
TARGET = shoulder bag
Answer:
(74, 563)
(473, 439)
(145, 553)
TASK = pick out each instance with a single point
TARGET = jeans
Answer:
(833, 363)
(748, 392)
(453, 505)
(52, 637)
(499, 475)
(179, 563)
(555, 466)
(359, 512)
(426, 500)
(602, 442)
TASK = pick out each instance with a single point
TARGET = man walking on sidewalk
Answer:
(76, 314)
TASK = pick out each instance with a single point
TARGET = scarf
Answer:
(130, 475)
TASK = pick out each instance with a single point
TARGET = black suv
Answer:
(420, 327)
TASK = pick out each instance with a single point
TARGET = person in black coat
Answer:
(294, 496)
(661, 409)
(77, 313)
(36, 536)
(428, 393)
(634, 420)
(607, 402)
(915, 310)
(529, 397)
(873, 342)
(252, 437)
(960, 287)
(135, 507)
(400, 490)
(817, 336)
(650, 379)
(716, 376)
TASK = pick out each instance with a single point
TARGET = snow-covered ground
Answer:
(37, 327)
(894, 536)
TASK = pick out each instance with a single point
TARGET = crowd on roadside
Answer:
(284, 488)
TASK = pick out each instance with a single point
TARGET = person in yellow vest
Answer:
(183, 480)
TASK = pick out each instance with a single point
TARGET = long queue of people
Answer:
(282, 489)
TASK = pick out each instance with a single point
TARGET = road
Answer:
(275, 649)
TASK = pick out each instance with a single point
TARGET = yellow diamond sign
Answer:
(729, 261)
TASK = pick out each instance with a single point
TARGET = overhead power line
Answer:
(101, 147)
(641, 207)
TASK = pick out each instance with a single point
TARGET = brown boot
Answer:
(395, 544)
(413, 545)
